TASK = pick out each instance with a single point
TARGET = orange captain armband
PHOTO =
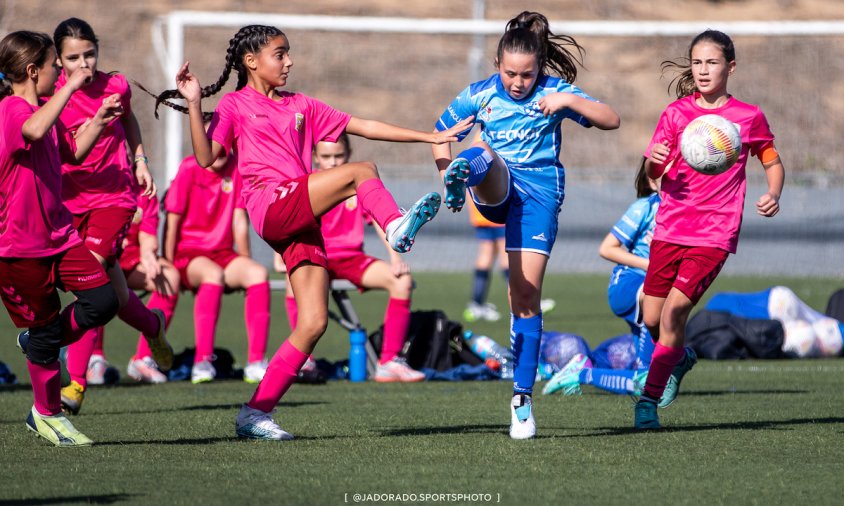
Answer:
(768, 154)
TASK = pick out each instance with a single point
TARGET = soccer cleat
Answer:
(456, 180)
(254, 424)
(567, 379)
(639, 384)
(254, 371)
(56, 429)
(161, 350)
(547, 305)
(397, 371)
(100, 372)
(645, 416)
(310, 373)
(202, 372)
(145, 370)
(72, 397)
(486, 311)
(401, 232)
(23, 341)
(680, 370)
(522, 423)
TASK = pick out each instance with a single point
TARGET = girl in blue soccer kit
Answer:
(514, 173)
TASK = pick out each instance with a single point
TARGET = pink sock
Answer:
(98, 342)
(292, 311)
(71, 330)
(396, 323)
(256, 312)
(138, 316)
(281, 373)
(662, 365)
(206, 312)
(378, 202)
(79, 353)
(167, 305)
(46, 387)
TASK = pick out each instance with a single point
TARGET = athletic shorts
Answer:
(623, 295)
(690, 269)
(528, 225)
(130, 258)
(29, 284)
(290, 227)
(489, 233)
(184, 257)
(351, 268)
(103, 230)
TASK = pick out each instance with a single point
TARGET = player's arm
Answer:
(768, 204)
(136, 147)
(204, 150)
(612, 250)
(599, 114)
(378, 130)
(240, 228)
(171, 235)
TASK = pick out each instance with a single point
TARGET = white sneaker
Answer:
(254, 424)
(522, 423)
(254, 371)
(397, 370)
(546, 305)
(145, 370)
(486, 311)
(100, 372)
(202, 372)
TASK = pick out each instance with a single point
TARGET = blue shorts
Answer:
(529, 225)
(489, 233)
(623, 295)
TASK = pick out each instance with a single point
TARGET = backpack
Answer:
(718, 335)
(433, 342)
(835, 305)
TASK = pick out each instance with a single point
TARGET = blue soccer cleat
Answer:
(680, 370)
(456, 180)
(401, 232)
(567, 379)
(645, 416)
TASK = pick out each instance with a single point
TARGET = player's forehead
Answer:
(517, 62)
(277, 43)
(72, 45)
(707, 50)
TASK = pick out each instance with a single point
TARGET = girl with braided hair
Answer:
(514, 174)
(274, 133)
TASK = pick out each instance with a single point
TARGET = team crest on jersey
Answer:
(532, 110)
(300, 120)
(227, 185)
(139, 215)
(352, 203)
(485, 113)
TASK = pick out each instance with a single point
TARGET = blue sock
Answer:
(644, 349)
(481, 286)
(617, 381)
(525, 335)
(479, 162)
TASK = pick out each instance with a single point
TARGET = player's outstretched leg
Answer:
(401, 232)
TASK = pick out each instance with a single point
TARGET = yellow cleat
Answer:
(56, 429)
(72, 397)
(161, 350)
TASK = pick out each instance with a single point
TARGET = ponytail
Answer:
(530, 33)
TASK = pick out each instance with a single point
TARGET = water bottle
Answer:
(487, 348)
(357, 355)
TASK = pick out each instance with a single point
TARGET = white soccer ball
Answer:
(710, 144)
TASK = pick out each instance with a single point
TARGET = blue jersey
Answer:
(518, 132)
(635, 229)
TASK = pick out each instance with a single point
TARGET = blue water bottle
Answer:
(357, 355)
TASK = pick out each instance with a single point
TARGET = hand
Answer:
(144, 178)
(398, 267)
(188, 84)
(659, 153)
(110, 109)
(450, 135)
(151, 266)
(80, 78)
(84, 126)
(554, 102)
(768, 205)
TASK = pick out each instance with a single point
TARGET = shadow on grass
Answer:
(201, 407)
(212, 440)
(760, 425)
(498, 429)
(87, 499)
(714, 393)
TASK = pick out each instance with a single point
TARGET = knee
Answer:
(524, 298)
(95, 307)
(44, 343)
(367, 170)
(312, 327)
(212, 276)
(256, 275)
(401, 287)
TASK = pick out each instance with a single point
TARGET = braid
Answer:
(249, 39)
(164, 96)
(530, 33)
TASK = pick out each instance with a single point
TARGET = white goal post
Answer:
(169, 48)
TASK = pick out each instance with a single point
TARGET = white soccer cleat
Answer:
(397, 371)
(254, 371)
(522, 423)
(145, 370)
(202, 372)
(254, 424)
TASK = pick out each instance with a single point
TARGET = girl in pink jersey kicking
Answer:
(205, 220)
(101, 197)
(699, 218)
(342, 231)
(40, 251)
(274, 133)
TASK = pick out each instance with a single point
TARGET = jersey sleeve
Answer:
(326, 122)
(149, 217)
(178, 194)
(221, 129)
(628, 227)
(760, 136)
(462, 107)
(17, 111)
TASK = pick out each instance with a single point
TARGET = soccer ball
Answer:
(710, 144)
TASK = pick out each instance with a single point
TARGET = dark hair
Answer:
(684, 82)
(249, 39)
(344, 140)
(17, 51)
(529, 33)
(74, 28)
(643, 182)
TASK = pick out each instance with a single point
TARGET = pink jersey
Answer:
(33, 221)
(206, 200)
(105, 178)
(697, 209)
(342, 229)
(274, 140)
(145, 220)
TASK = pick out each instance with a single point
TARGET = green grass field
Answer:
(749, 432)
